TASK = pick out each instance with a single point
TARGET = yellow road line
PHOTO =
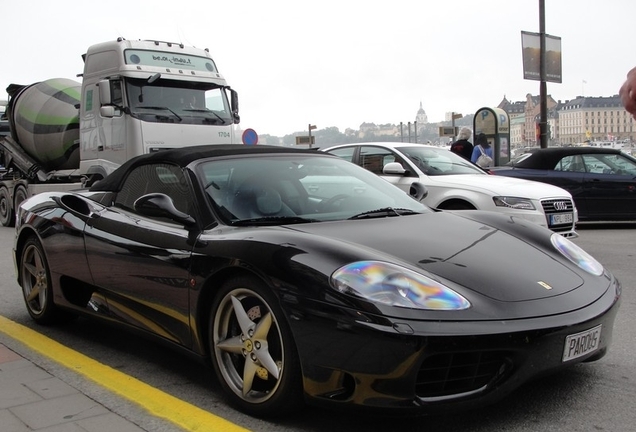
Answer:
(155, 401)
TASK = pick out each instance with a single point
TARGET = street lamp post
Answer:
(543, 89)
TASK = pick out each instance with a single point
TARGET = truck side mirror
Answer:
(234, 105)
(107, 111)
(104, 93)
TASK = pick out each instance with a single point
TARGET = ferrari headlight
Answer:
(577, 255)
(513, 202)
(392, 285)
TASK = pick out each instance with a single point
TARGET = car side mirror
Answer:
(161, 205)
(418, 191)
(393, 168)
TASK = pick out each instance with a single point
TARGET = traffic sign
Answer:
(448, 131)
(305, 139)
(250, 137)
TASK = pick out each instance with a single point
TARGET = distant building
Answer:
(378, 130)
(525, 114)
(421, 120)
(517, 131)
(513, 109)
(421, 117)
(595, 119)
(570, 122)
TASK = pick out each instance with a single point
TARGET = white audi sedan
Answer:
(454, 183)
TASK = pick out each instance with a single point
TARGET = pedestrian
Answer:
(628, 92)
(482, 153)
(462, 146)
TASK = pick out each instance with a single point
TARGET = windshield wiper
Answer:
(163, 108)
(384, 212)
(273, 220)
(207, 111)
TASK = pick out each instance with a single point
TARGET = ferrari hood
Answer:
(500, 185)
(474, 255)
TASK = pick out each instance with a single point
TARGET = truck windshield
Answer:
(167, 101)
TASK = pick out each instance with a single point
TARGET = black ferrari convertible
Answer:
(303, 277)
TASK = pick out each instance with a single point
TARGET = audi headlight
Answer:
(513, 202)
(577, 255)
(392, 285)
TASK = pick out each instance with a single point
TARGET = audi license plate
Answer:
(561, 218)
(579, 344)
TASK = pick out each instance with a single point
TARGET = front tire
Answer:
(253, 351)
(35, 279)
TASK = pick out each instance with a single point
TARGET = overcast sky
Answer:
(339, 63)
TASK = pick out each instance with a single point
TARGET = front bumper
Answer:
(351, 358)
(547, 214)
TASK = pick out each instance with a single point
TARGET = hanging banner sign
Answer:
(531, 55)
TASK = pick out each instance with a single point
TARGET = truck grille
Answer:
(553, 209)
(448, 374)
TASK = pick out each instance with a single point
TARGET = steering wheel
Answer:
(335, 202)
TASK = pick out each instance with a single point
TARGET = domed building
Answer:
(421, 121)
(421, 118)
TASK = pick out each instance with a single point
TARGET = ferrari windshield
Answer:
(268, 189)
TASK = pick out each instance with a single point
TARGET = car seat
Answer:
(254, 200)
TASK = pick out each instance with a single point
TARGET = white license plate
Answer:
(579, 344)
(561, 218)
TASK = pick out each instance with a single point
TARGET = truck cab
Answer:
(136, 97)
(144, 96)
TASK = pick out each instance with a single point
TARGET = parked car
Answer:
(602, 181)
(454, 183)
(301, 276)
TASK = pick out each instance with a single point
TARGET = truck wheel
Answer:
(35, 279)
(19, 195)
(7, 216)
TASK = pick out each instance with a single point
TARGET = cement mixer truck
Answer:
(136, 97)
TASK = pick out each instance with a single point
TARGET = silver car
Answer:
(454, 183)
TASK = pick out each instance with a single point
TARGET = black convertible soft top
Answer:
(547, 158)
(184, 155)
